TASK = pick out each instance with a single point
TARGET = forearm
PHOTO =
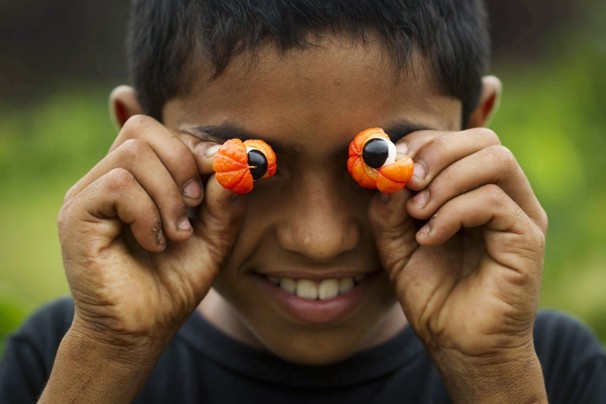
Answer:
(513, 379)
(92, 371)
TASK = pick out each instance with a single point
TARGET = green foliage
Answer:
(11, 315)
(44, 149)
(552, 118)
(60, 136)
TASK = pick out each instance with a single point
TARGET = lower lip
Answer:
(318, 311)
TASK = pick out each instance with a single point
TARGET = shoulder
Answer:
(54, 317)
(29, 352)
(562, 334)
(44, 330)
(572, 357)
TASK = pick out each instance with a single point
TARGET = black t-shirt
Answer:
(202, 364)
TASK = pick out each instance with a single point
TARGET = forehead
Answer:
(329, 90)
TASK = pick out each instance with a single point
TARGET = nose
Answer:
(320, 222)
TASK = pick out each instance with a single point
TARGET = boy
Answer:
(310, 288)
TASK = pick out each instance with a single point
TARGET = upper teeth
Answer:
(308, 289)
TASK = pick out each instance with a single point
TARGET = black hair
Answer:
(165, 36)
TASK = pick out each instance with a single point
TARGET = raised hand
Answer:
(136, 264)
(469, 279)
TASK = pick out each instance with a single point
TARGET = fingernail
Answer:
(419, 172)
(402, 148)
(192, 189)
(212, 150)
(160, 239)
(421, 199)
(425, 230)
(184, 225)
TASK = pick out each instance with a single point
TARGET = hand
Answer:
(469, 279)
(136, 265)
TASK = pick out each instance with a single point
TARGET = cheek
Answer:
(230, 289)
(256, 230)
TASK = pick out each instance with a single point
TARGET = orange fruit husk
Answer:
(231, 168)
(387, 179)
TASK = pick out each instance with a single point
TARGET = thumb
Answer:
(216, 227)
(394, 230)
(219, 220)
(416, 272)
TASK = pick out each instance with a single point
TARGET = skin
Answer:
(468, 281)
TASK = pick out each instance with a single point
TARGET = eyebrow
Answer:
(403, 128)
(222, 133)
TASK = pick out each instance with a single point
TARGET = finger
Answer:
(95, 217)
(202, 150)
(221, 213)
(511, 237)
(432, 151)
(490, 165)
(170, 149)
(140, 160)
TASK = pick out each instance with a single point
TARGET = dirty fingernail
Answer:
(402, 148)
(419, 172)
(425, 230)
(160, 239)
(421, 199)
(192, 189)
(184, 224)
(212, 150)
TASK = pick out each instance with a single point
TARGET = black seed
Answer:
(375, 152)
(257, 164)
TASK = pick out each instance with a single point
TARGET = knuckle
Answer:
(539, 238)
(118, 179)
(543, 220)
(134, 149)
(133, 128)
(489, 134)
(64, 216)
(135, 124)
(70, 194)
(533, 245)
(503, 155)
(440, 143)
(495, 195)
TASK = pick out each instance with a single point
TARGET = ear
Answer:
(123, 104)
(489, 102)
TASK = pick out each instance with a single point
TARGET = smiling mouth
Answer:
(312, 290)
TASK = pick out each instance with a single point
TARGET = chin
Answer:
(316, 351)
(263, 320)
(323, 345)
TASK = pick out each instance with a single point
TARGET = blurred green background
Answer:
(59, 61)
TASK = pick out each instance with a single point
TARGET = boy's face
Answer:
(309, 222)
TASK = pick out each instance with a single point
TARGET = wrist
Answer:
(93, 369)
(512, 376)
